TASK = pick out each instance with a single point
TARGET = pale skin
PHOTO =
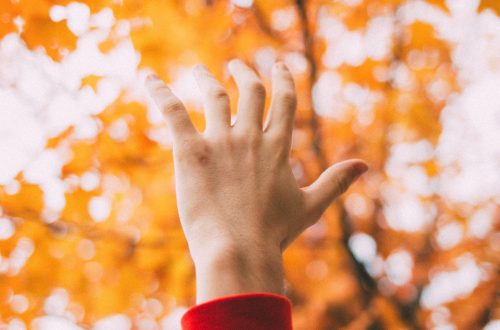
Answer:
(239, 204)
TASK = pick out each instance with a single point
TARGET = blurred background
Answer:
(89, 233)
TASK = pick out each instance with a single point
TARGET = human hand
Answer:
(238, 201)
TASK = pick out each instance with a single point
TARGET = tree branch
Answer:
(366, 282)
(314, 123)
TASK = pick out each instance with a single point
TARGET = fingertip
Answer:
(152, 77)
(154, 83)
(157, 88)
(280, 65)
(201, 68)
(281, 70)
(230, 66)
(234, 61)
(233, 64)
(359, 167)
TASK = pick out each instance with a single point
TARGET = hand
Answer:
(238, 202)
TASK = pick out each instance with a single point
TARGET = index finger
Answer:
(171, 107)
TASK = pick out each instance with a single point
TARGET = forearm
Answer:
(232, 268)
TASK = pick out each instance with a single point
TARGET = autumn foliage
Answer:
(88, 223)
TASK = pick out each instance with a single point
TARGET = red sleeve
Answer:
(249, 311)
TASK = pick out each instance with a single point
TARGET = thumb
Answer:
(332, 183)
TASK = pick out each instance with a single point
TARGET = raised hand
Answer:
(238, 201)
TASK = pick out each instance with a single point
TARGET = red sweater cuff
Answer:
(249, 311)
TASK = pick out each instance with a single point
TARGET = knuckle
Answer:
(220, 95)
(172, 106)
(196, 152)
(342, 184)
(288, 98)
(256, 88)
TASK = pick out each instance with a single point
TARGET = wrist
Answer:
(224, 268)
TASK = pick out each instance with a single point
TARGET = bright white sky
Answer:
(47, 99)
